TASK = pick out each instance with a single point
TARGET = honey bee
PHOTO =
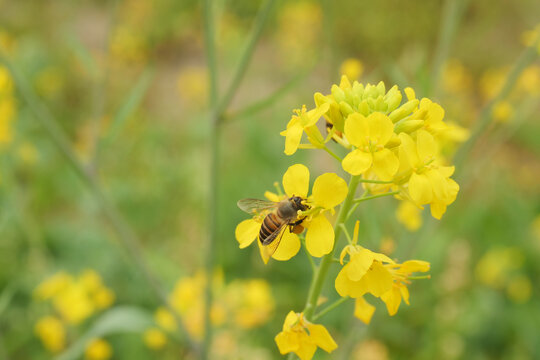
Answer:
(282, 214)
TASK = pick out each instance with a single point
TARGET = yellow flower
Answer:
(250, 302)
(302, 337)
(103, 298)
(98, 349)
(329, 190)
(154, 338)
(529, 37)
(456, 78)
(377, 274)
(409, 215)
(304, 121)
(352, 68)
(192, 85)
(165, 319)
(502, 111)
(53, 285)
(74, 304)
(495, 266)
(429, 183)
(51, 332)
(370, 135)
(363, 310)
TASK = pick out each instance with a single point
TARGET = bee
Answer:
(282, 214)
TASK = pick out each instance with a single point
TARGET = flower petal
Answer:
(246, 232)
(296, 181)
(288, 247)
(356, 129)
(293, 135)
(392, 299)
(319, 236)
(381, 128)
(321, 337)
(363, 310)
(285, 342)
(347, 287)
(426, 145)
(378, 279)
(329, 190)
(359, 264)
(385, 164)
(408, 150)
(357, 162)
(411, 266)
(420, 189)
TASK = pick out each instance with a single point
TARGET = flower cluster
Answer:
(388, 142)
(242, 304)
(7, 106)
(74, 299)
(392, 149)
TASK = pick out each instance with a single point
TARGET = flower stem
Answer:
(374, 181)
(332, 153)
(356, 201)
(330, 307)
(320, 275)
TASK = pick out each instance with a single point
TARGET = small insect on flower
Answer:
(282, 214)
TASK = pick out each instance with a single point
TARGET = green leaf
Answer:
(121, 319)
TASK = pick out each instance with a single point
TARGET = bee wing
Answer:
(253, 206)
(272, 242)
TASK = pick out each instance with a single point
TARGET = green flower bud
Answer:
(338, 94)
(408, 126)
(403, 110)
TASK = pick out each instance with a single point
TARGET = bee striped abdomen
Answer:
(270, 224)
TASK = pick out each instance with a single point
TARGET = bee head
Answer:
(297, 203)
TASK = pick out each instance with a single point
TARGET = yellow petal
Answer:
(437, 209)
(392, 299)
(272, 196)
(378, 279)
(306, 348)
(385, 164)
(292, 138)
(346, 287)
(409, 151)
(438, 184)
(359, 264)
(426, 145)
(410, 93)
(411, 266)
(315, 114)
(290, 320)
(357, 162)
(329, 190)
(420, 189)
(246, 232)
(320, 236)
(296, 181)
(288, 247)
(285, 342)
(356, 129)
(321, 337)
(404, 293)
(363, 310)
(381, 128)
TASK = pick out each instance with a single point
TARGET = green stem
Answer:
(366, 198)
(527, 56)
(256, 32)
(320, 276)
(330, 307)
(126, 235)
(333, 154)
(347, 235)
(374, 181)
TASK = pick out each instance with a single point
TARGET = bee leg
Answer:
(297, 229)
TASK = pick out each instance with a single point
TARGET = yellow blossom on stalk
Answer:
(429, 182)
(154, 338)
(352, 68)
(370, 135)
(304, 121)
(376, 274)
(52, 333)
(408, 214)
(328, 191)
(495, 266)
(74, 304)
(302, 337)
(53, 285)
(98, 349)
(165, 319)
(530, 36)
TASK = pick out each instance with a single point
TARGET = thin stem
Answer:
(126, 235)
(451, 14)
(366, 198)
(320, 276)
(210, 47)
(330, 307)
(374, 181)
(333, 154)
(527, 56)
(347, 235)
(256, 32)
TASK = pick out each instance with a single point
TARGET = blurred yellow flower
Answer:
(98, 349)
(304, 121)
(7, 42)
(352, 68)
(192, 85)
(302, 337)
(154, 338)
(519, 289)
(502, 111)
(7, 106)
(250, 302)
(53, 285)
(388, 245)
(529, 80)
(530, 36)
(51, 332)
(409, 215)
(370, 350)
(165, 319)
(494, 267)
(27, 153)
(103, 298)
(74, 304)
(456, 78)
(127, 45)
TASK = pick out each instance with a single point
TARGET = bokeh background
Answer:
(127, 82)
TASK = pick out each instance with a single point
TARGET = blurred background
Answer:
(127, 82)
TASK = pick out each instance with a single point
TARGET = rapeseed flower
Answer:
(352, 68)
(249, 302)
(52, 333)
(154, 338)
(303, 337)
(304, 121)
(408, 214)
(98, 349)
(328, 191)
